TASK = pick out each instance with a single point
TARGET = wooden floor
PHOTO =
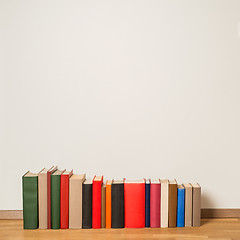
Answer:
(217, 229)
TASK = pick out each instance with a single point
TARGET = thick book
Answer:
(96, 201)
(55, 198)
(42, 198)
(103, 207)
(164, 203)
(64, 200)
(117, 196)
(188, 204)
(172, 204)
(30, 200)
(49, 173)
(147, 202)
(134, 203)
(87, 204)
(180, 206)
(108, 204)
(75, 200)
(155, 205)
(196, 205)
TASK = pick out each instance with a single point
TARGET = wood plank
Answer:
(11, 214)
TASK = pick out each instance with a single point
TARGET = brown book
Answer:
(75, 200)
(196, 205)
(103, 207)
(188, 204)
(172, 204)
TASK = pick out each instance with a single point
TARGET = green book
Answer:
(55, 199)
(30, 200)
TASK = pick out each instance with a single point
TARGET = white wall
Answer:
(125, 88)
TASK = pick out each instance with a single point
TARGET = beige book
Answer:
(103, 207)
(42, 198)
(196, 205)
(188, 204)
(164, 203)
(75, 200)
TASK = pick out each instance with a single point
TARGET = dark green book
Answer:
(30, 200)
(55, 199)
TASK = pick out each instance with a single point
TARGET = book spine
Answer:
(172, 207)
(96, 204)
(42, 200)
(87, 206)
(49, 221)
(155, 205)
(196, 207)
(108, 207)
(64, 201)
(55, 201)
(117, 195)
(180, 207)
(147, 204)
(103, 207)
(164, 205)
(188, 206)
(30, 202)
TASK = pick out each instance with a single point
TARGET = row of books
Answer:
(56, 199)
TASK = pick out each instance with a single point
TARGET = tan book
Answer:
(103, 207)
(196, 205)
(42, 198)
(172, 204)
(188, 204)
(75, 200)
(164, 203)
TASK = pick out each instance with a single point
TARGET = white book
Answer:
(164, 203)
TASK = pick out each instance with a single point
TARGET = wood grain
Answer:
(210, 229)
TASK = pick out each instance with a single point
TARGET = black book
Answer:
(117, 196)
(87, 204)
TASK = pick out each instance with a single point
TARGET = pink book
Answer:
(155, 202)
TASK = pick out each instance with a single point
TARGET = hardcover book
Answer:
(103, 207)
(134, 197)
(87, 204)
(75, 200)
(117, 204)
(49, 173)
(172, 204)
(96, 201)
(64, 200)
(147, 202)
(188, 204)
(108, 205)
(55, 198)
(180, 206)
(196, 205)
(164, 203)
(155, 205)
(30, 200)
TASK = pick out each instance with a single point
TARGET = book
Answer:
(64, 199)
(49, 173)
(134, 203)
(87, 204)
(172, 204)
(30, 200)
(42, 198)
(108, 204)
(188, 204)
(55, 198)
(75, 200)
(155, 205)
(164, 203)
(117, 196)
(103, 206)
(147, 202)
(196, 205)
(96, 201)
(180, 206)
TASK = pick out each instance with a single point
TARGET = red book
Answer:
(49, 172)
(96, 201)
(134, 201)
(155, 201)
(64, 199)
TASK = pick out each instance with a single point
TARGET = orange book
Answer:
(108, 205)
